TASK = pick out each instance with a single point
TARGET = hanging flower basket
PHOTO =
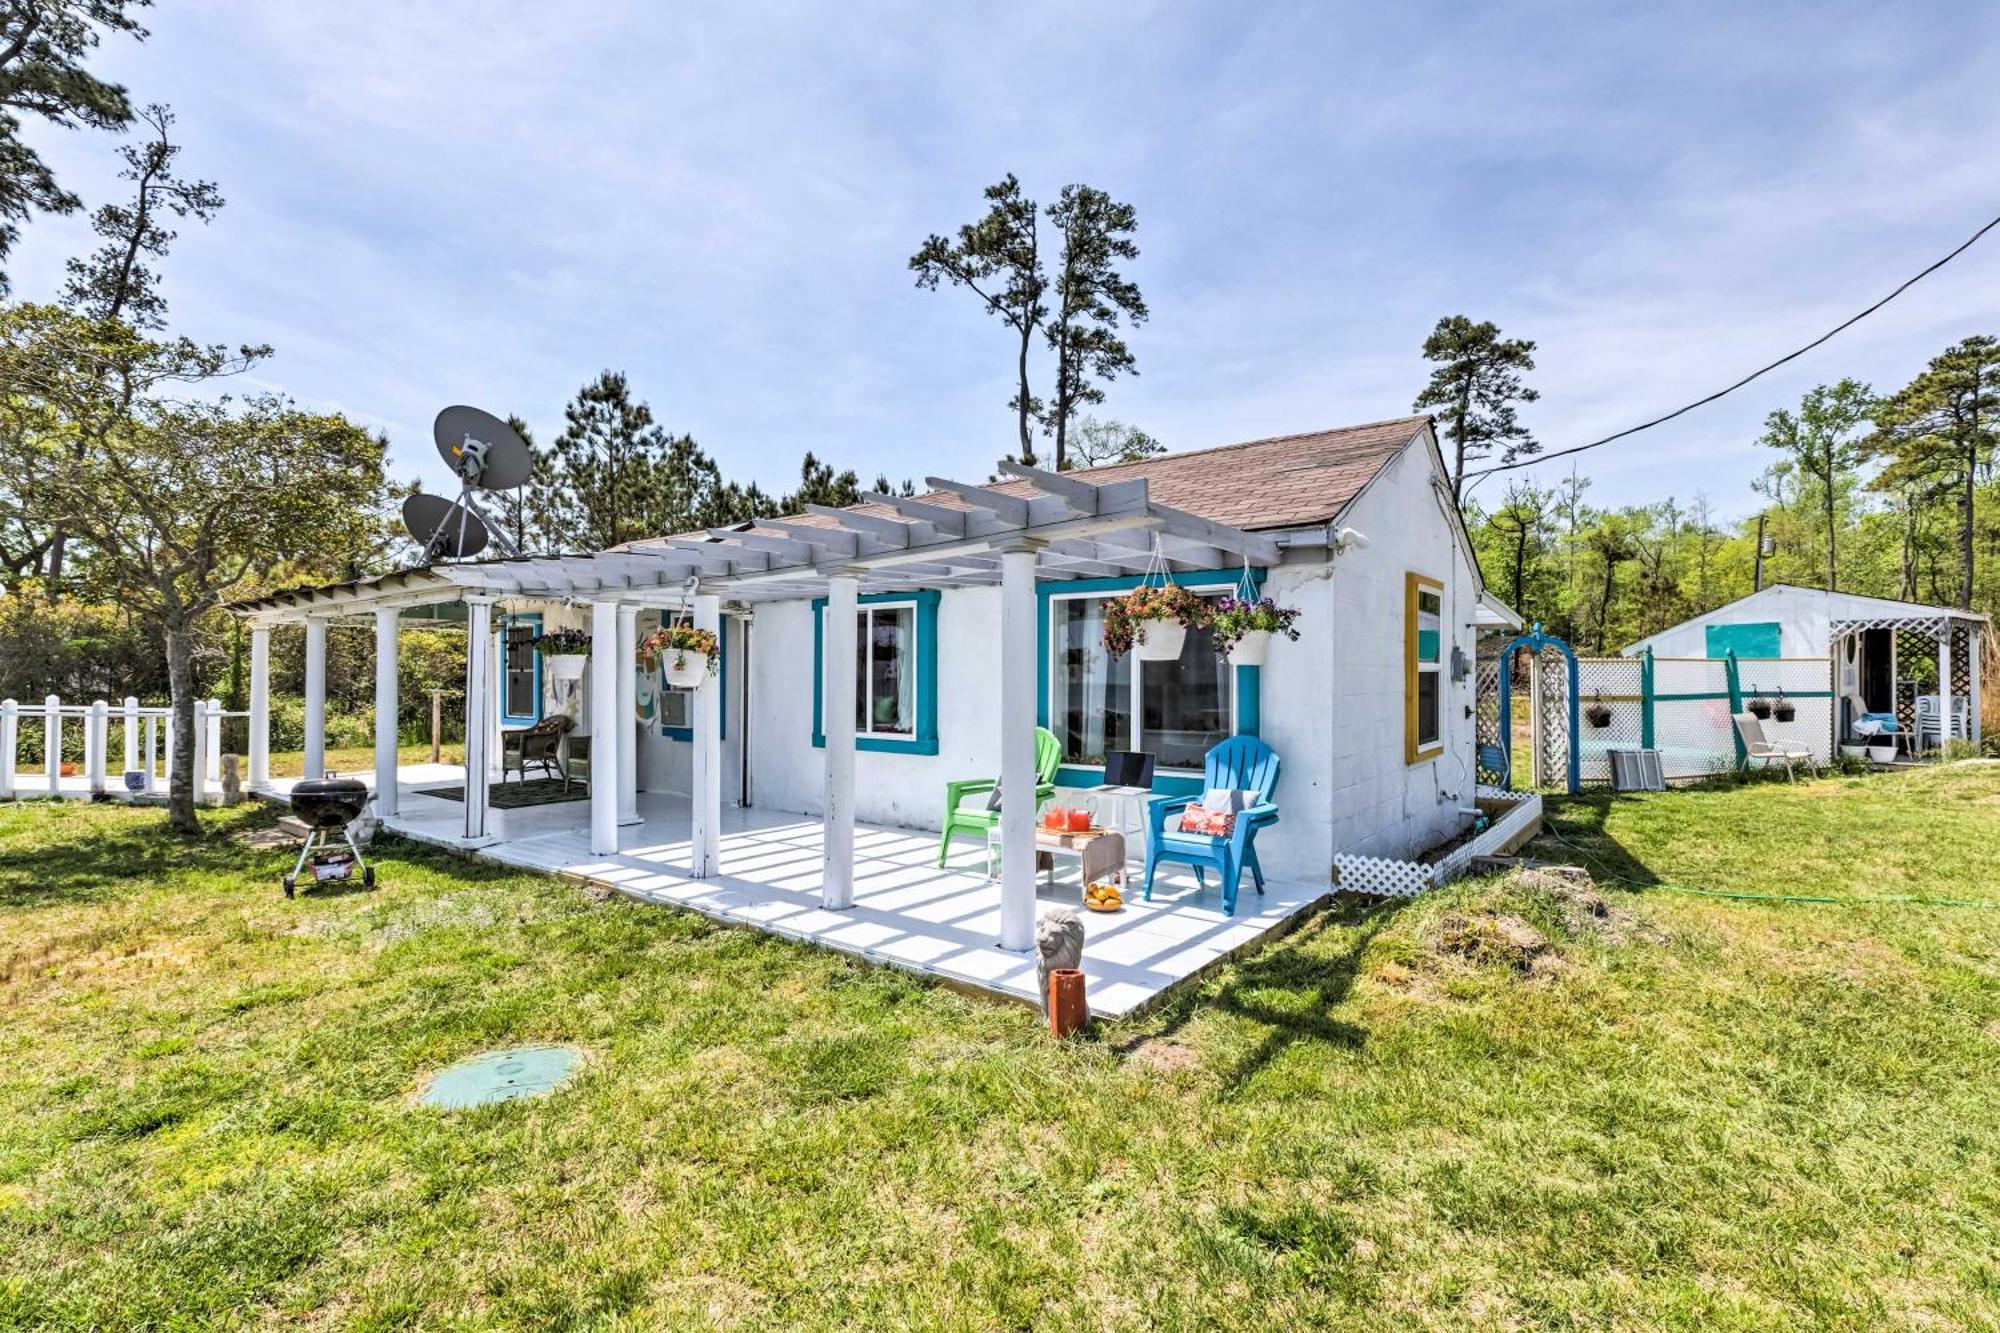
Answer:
(1598, 714)
(1759, 708)
(1244, 627)
(1784, 710)
(563, 653)
(688, 655)
(1152, 621)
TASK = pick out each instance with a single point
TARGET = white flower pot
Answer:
(1883, 754)
(1161, 640)
(1853, 752)
(564, 666)
(1251, 648)
(685, 671)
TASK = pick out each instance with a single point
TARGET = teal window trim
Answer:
(925, 741)
(721, 678)
(506, 623)
(1249, 684)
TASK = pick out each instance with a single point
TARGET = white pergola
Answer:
(1035, 525)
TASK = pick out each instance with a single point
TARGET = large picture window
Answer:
(1100, 702)
(895, 672)
(885, 679)
(1423, 657)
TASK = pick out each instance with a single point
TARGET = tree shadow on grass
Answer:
(1290, 989)
(100, 859)
(1575, 831)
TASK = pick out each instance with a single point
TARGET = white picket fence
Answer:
(148, 735)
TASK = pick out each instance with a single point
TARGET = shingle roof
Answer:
(1285, 482)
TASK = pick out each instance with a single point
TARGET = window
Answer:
(885, 682)
(521, 688)
(895, 672)
(1184, 707)
(1423, 641)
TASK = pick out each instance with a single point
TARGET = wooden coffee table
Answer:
(1098, 850)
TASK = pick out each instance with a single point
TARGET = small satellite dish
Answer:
(446, 531)
(482, 450)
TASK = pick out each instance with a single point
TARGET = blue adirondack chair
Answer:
(1242, 763)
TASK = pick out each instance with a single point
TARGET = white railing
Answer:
(148, 735)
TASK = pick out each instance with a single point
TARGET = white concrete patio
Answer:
(907, 913)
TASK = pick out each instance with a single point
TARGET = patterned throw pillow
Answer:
(1214, 823)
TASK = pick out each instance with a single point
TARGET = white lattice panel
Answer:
(1614, 682)
(1381, 877)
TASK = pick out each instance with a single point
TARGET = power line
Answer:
(1841, 327)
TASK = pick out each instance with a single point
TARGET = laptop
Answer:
(1129, 769)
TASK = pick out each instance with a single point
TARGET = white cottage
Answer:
(1886, 658)
(971, 615)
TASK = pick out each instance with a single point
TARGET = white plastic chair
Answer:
(1760, 749)
(1930, 714)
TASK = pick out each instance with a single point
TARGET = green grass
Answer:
(1723, 1114)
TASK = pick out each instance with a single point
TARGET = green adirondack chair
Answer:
(980, 819)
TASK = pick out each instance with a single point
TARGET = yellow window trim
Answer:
(1413, 753)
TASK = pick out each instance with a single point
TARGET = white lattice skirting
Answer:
(1383, 877)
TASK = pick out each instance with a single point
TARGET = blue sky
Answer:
(443, 202)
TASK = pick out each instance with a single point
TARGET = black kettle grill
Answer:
(327, 806)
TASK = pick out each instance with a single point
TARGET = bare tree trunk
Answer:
(180, 681)
(1832, 542)
(1965, 497)
(1027, 440)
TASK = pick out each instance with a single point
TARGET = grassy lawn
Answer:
(291, 763)
(1702, 1113)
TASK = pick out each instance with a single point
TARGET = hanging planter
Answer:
(687, 655)
(1784, 710)
(1759, 707)
(1152, 621)
(1598, 713)
(1244, 628)
(563, 653)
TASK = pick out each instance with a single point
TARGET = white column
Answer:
(260, 707)
(152, 750)
(10, 732)
(387, 799)
(605, 724)
(97, 745)
(52, 743)
(837, 721)
(628, 715)
(1944, 685)
(705, 784)
(1017, 749)
(478, 703)
(131, 733)
(1974, 646)
(199, 768)
(212, 746)
(315, 697)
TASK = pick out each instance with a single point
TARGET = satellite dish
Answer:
(445, 530)
(482, 450)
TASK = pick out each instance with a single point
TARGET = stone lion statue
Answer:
(1058, 943)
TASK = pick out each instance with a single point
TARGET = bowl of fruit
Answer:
(1105, 896)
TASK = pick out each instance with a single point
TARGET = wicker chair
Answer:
(539, 745)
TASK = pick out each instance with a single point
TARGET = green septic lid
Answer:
(502, 1076)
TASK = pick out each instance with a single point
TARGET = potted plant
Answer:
(1152, 620)
(563, 653)
(1783, 709)
(1759, 707)
(1598, 713)
(1244, 629)
(689, 654)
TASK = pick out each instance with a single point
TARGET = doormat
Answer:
(515, 795)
